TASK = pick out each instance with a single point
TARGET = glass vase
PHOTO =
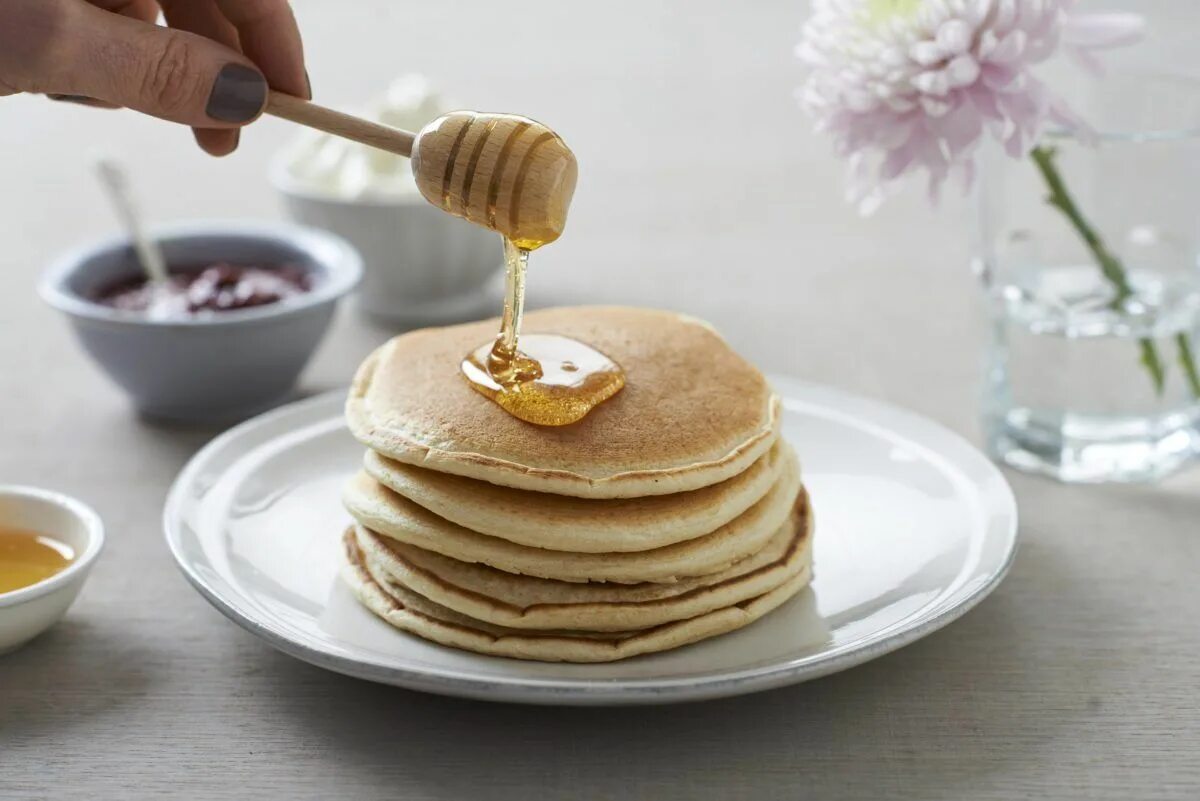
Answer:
(1089, 252)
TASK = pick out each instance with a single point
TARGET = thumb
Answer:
(172, 74)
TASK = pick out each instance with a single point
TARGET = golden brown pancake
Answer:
(379, 509)
(583, 525)
(693, 413)
(524, 602)
(414, 613)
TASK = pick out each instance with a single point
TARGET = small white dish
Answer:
(421, 266)
(913, 528)
(27, 612)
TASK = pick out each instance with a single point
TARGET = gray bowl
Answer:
(215, 368)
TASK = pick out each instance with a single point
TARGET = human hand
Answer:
(210, 69)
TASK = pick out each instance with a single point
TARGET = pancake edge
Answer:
(579, 537)
(606, 615)
(522, 559)
(560, 647)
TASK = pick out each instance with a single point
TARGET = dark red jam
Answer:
(201, 290)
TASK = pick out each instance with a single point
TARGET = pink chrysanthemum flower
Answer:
(903, 85)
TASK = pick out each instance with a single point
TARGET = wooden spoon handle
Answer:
(346, 126)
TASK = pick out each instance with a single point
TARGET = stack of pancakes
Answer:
(672, 513)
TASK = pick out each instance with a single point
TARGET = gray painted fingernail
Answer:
(238, 94)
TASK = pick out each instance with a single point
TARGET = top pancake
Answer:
(692, 413)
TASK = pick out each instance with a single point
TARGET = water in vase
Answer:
(1069, 394)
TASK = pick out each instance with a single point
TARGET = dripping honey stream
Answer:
(545, 379)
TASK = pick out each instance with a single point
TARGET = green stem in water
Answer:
(1188, 361)
(1114, 273)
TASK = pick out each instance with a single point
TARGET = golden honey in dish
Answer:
(546, 379)
(27, 557)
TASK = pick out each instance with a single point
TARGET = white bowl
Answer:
(421, 266)
(27, 612)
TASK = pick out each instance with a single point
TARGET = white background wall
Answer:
(690, 144)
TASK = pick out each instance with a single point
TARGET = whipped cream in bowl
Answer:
(421, 266)
(337, 167)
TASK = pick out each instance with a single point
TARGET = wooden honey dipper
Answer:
(505, 172)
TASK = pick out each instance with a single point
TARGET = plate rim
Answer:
(586, 692)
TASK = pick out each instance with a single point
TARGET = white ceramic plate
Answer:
(914, 527)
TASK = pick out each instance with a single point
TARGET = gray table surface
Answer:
(1077, 679)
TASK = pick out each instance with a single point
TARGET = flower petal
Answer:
(926, 53)
(1086, 60)
(1005, 15)
(962, 71)
(955, 36)
(934, 83)
(1009, 49)
(997, 77)
(917, 86)
(934, 107)
(961, 128)
(897, 162)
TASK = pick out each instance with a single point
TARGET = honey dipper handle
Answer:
(346, 126)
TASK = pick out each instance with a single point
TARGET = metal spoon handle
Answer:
(116, 185)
